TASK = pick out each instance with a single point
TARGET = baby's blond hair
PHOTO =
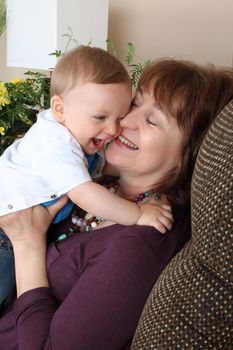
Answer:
(86, 64)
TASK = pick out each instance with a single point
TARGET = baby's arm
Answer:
(99, 201)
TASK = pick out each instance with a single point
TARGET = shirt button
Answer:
(10, 206)
(53, 196)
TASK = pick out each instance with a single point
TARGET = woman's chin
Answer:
(116, 156)
(112, 154)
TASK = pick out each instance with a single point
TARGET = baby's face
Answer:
(92, 113)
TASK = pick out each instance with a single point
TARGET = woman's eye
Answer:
(152, 122)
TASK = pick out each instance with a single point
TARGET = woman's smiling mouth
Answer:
(126, 142)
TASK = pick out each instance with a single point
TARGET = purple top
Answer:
(100, 281)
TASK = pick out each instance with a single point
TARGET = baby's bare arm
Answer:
(99, 201)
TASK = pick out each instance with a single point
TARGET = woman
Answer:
(98, 281)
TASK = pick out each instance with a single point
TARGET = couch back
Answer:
(212, 198)
(190, 306)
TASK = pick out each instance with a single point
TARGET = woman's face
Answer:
(150, 144)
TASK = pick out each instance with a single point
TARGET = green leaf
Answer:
(2, 16)
(111, 47)
(56, 53)
(130, 54)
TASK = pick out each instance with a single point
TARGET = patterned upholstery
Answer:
(190, 306)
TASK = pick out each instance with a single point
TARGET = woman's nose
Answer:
(130, 120)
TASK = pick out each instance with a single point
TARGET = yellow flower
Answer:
(17, 81)
(2, 130)
(4, 97)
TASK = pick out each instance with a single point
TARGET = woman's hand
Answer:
(27, 231)
(30, 223)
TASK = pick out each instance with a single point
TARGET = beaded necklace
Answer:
(90, 221)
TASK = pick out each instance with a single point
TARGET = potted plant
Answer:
(20, 101)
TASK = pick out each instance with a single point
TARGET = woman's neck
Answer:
(129, 187)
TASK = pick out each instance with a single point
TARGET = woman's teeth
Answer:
(127, 142)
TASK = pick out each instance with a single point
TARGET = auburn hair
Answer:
(194, 95)
(86, 64)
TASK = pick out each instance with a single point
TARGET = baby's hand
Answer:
(157, 215)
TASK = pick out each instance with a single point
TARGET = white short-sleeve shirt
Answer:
(45, 164)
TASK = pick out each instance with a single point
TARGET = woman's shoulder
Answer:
(116, 237)
(106, 235)
(122, 249)
(168, 244)
(118, 241)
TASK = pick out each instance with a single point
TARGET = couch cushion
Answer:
(212, 198)
(190, 306)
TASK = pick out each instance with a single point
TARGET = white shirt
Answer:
(45, 164)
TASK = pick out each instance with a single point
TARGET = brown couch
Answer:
(190, 306)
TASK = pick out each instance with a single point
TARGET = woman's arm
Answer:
(27, 232)
(30, 265)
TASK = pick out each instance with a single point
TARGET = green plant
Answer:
(20, 101)
(135, 69)
(2, 16)
(70, 39)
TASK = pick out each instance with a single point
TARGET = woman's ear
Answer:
(57, 107)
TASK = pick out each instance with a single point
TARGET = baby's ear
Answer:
(57, 107)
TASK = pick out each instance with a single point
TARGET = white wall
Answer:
(200, 30)
(88, 20)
